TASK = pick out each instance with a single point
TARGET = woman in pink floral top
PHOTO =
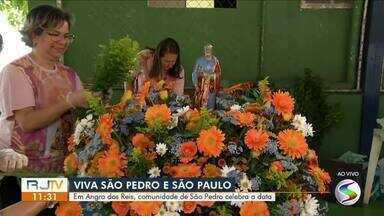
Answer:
(163, 63)
(37, 94)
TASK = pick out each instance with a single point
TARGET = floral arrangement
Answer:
(253, 136)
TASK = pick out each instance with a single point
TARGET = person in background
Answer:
(162, 63)
(37, 96)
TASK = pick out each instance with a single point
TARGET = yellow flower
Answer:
(164, 95)
(127, 96)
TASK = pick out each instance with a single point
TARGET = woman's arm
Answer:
(31, 119)
(179, 83)
(24, 209)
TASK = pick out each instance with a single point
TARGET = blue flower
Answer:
(175, 145)
(309, 181)
(290, 207)
(289, 165)
(270, 110)
(90, 150)
(270, 125)
(236, 175)
(272, 147)
(256, 182)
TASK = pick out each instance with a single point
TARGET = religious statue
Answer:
(206, 78)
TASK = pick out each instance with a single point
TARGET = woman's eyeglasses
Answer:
(55, 36)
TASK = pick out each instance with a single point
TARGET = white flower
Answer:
(174, 121)
(245, 184)
(174, 206)
(300, 124)
(161, 149)
(237, 203)
(85, 125)
(311, 207)
(182, 111)
(78, 130)
(308, 130)
(298, 121)
(154, 172)
(164, 212)
(225, 170)
(235, 107)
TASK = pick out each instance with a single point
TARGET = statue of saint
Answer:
(206, 78)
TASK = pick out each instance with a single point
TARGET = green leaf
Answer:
(116, 63)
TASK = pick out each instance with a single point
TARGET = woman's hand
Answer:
(77, 99)
(11, 160)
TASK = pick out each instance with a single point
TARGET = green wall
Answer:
(259, 38)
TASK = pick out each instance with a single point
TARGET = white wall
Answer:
(13, 47)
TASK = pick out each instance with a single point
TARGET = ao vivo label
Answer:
(44, 185)
(348, 174)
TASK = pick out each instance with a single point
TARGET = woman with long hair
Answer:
(162, 63)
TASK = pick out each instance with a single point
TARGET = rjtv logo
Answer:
(347, 190)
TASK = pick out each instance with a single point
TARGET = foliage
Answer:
(15, 10)
(116, 63)
(311, 101)
(251, 137)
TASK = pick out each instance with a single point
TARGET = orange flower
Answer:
(71, 143)
(189, 207)
(105, 128)
(256, 140)
(185, 170)
(283, 102)
(211, 170)
(254, 209)
(210, 142)
(292, 143)
(117, 109)
(188, 150)
(245, 119)
(121, 208)
(71, 164)
(146, 208)
(277, 166)
(93, 170)
(311, 158)
(69, 209)
(141, 141)
(112, 163)
(158, 115)
(322, 177)
(144, 92)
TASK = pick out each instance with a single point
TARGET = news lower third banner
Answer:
(136, 189)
